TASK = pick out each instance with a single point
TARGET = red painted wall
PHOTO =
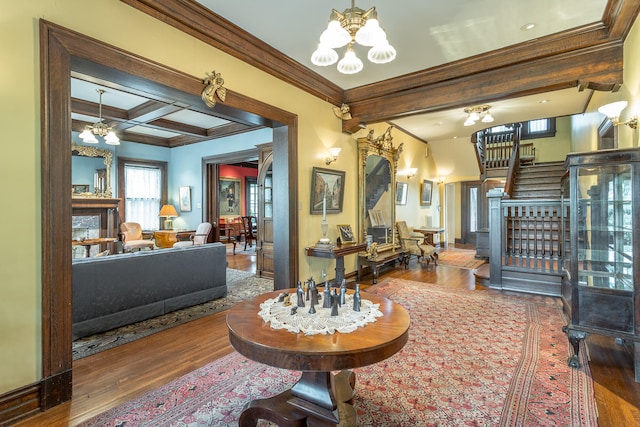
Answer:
(227, 171)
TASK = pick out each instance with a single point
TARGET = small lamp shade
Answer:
(168, 212)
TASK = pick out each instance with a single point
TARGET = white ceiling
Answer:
(425, 33)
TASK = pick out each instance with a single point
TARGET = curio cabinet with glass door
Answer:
(601, 207)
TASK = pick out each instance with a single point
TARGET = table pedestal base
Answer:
(317, 399)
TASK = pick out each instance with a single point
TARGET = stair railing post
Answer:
(496, 231)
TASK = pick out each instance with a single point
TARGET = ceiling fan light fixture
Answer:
(478, 112)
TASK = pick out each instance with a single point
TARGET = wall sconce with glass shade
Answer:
(613, 110)
(168, 212)
(408, 172)
(333, 155)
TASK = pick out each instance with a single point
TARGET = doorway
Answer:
(475, 208)
(63, 52)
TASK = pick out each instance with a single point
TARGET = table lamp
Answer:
(168, 212)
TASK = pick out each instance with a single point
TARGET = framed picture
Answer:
(401, 193)
(327, 191)
(425, 193)
(185, 199)
(346, 233)
(80, 188)
(230, 197)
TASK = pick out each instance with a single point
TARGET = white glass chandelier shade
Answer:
(99, 128)
(324, 56)
(335, 36)
(488, 118)
(382, 53)
(354, 25)
(350, 64)
(614, 109)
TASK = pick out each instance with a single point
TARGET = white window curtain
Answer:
(142, 193)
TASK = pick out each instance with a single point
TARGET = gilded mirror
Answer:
(378, 161)
(101, 178)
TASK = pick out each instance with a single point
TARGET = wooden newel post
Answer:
(494, 197)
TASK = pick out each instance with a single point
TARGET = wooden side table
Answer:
(319, 398)
(166, 238)
(429, 233)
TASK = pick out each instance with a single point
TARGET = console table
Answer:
(429, 233)
(382, 258)
(319, 398)
(337, 252)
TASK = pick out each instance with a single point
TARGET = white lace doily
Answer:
(322, 322)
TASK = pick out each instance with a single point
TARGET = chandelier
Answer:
(479, 112)
(99, 128)
(354, 25)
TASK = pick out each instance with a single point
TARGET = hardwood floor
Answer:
(115, 376)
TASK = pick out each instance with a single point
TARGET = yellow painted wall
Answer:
(20, 271)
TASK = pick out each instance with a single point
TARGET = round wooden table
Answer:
(87, 243)
(319, 398)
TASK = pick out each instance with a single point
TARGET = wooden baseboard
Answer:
(31, 399)
(20, 403)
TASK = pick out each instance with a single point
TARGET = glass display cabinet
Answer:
(600, 290)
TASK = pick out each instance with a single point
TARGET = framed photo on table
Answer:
(425, 193)
(185, 199)
(230, 198)
(346, 233)
(327, 191)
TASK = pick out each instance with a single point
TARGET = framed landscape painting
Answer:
(327, 191)
(425, 193)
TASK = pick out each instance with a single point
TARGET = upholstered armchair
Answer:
(132, 237)
(415, 244)
(197, 238)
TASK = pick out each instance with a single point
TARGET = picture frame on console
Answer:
(327, 191)
(425, 193)
(230, 194)
(80, 188)
(185, 199)
(346, 233)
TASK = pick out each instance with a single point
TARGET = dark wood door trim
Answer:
(60, 48)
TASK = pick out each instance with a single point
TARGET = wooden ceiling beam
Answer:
(597, 67)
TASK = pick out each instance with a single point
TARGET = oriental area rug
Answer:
(241, 285)
(460, 258)
(473, 358)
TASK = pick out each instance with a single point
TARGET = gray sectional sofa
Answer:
(112, 291)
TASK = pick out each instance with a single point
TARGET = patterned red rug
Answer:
(460, 258)
(473, 359)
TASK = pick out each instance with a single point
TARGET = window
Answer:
(252, 196)
(540, 128)
(143, 189)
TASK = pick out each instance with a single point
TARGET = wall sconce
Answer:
(441, 180)
(333, 155)
(613, 110)
(408, 172)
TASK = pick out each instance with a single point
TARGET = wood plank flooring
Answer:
(115, 376)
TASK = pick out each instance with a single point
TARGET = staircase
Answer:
(541, 181)
(532, 245)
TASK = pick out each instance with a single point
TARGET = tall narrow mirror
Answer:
(377, 160)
